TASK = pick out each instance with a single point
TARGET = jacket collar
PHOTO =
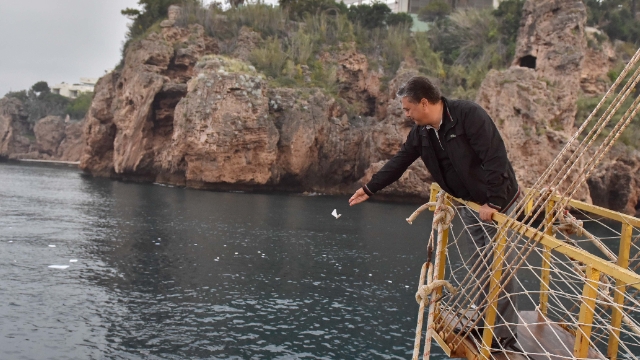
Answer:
(450, 121)
(447, 120)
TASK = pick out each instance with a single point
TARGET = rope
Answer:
(567, 224)
(443, 215)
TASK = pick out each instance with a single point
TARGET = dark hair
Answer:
(418, 88)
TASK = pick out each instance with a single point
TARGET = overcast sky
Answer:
(60, 40)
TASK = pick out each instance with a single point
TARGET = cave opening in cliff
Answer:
(528, 61)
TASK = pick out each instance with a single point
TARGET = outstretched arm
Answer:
(392, 170)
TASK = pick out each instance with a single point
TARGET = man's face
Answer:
(416, 112)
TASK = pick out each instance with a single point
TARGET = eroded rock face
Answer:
(599, 59)
(49, 132)
(320, 149)
(14, 128)
(551, 40)
(358, 84)
(248, 40)
(131, 117)
(222, 133)
(534, 107)
(616, 183)
(72, 146)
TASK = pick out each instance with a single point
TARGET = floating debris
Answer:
(62, 267)
(335, 213)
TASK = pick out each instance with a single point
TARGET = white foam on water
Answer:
(62, 267)
(236, 253)
(52, 246)
(73, 260)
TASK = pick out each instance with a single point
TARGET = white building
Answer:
(412, 6)
(73, 90)
(394, 5)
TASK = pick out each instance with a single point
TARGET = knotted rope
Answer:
(442, 218)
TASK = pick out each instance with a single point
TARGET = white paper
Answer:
(58, 266)
(335, 213)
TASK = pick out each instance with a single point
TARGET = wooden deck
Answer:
(538, 339)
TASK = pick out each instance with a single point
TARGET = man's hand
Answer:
(486, 212)
(358, 197)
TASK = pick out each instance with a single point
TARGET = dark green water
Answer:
(170, 273)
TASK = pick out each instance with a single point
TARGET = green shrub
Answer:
(300, 9)
(269, 58)
(429, 61)
(399, 19)
(435, 10)
(369, 16)
(79, 106)
(300, 47)
(395, 47)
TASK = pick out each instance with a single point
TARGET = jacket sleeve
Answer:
(394, 168)
(487, 143)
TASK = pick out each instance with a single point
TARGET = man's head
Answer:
(421, 101)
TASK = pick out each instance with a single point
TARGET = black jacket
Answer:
(475, 148)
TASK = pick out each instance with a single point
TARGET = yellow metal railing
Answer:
(595, 266)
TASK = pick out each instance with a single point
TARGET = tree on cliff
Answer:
(39, 102)
(150, 12)
(618, 18)
(435, 10)
(298, 9)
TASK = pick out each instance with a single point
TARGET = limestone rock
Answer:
(49, 132)
(534, 107)
(72, 146)
(131, 117)
(616, 183)
(99, 129)
(14, 129)
(247, 41)
(551, 40)
(319, 149)
(358, 84)
(222, 133)
(599, 59)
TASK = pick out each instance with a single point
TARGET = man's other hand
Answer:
(486, 212)
(358, 197)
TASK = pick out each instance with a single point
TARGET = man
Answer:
(464, 152)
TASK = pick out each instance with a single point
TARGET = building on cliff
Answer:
(413, 6)
(74, 90)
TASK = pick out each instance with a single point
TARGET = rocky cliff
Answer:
(50, 138)
(534, 101)
(178, 112)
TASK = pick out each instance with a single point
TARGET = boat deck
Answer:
(538, 338)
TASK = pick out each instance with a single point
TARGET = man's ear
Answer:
(424, 103)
